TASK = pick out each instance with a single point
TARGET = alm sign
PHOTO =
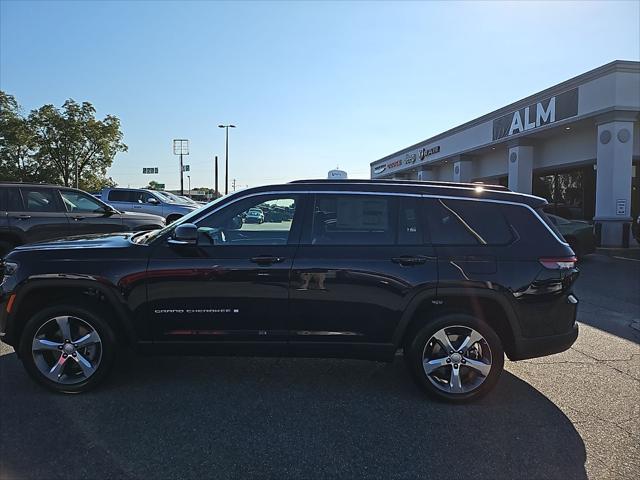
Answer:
(541, 113)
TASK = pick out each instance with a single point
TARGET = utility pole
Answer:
(189, 177)
(215, 192)
(226, 156)
(234, 184)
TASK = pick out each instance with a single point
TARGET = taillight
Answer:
(558, 263)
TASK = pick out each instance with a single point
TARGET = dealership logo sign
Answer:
(425, 152)
(410, 158)
(541, 113)
(379, 169)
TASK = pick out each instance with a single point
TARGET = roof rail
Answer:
(427, 183)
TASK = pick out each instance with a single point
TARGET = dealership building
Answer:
(577, 144)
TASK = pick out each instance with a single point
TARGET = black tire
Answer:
(5, 247)
(413, 354)
(89, 315)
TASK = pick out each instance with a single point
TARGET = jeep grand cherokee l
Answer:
(452, 275)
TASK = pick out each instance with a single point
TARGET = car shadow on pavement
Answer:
(211, 417)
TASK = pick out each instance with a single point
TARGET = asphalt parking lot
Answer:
(572, 415)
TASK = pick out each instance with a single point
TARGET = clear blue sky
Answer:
(311, 85)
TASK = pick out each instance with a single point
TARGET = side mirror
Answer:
(185, 234)
(153, 201)
(109, 210)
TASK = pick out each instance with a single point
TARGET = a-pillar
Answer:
(613, 183)
(520, 161)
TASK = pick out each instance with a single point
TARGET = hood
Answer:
(142, 216)
(113, 240)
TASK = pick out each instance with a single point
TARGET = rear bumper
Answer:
(542, 346)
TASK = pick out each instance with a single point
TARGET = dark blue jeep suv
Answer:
(452, 275)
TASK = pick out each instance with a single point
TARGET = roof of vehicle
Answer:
(408, 182)
(30, 184)
(439, 189)
(35, 184)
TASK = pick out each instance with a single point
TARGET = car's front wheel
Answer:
(456, 358)
(68, 348)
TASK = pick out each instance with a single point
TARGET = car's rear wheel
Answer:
(456, 358)
(68, 348)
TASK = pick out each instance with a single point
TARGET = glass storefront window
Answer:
(570, 193)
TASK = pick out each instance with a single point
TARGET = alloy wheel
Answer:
(457, 359)
(67, 350)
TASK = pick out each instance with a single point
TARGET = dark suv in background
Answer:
(453, 275)
(35, 212)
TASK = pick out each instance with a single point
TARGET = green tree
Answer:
(153, 185)
(18, 144)
(74, 145)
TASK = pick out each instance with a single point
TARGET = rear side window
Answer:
(352, 220)
(466, 222)
(121, 196)
(40, 200)
(550, 223)
(10, 200)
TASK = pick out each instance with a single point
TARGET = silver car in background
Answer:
(146, 201)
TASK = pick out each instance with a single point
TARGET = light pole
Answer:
(189, 177)
(226, 156)
(181, 147)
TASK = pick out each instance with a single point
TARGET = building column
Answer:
(613, 183)
(520, 161)
(426, 174)
(462, 170)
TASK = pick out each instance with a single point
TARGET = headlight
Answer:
(8, 268)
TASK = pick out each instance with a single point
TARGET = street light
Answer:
(181, 147)
(189, 177)
(226, 156)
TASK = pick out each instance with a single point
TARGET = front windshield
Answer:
(170, 197)
(152, 235)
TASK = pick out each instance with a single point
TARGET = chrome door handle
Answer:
(407, 260)
(266, 260)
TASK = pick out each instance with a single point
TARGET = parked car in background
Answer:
(254, 215)
(578, 234)
(146, 201)
(636, 229)
(35, 212)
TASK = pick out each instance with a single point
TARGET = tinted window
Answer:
(252, 221)
(352, 220)
(39, 200)
(79, 202)
(10, 200)
(408, 225)
(550, 222)
(121, 196)
(142, 197)
(465, 222)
